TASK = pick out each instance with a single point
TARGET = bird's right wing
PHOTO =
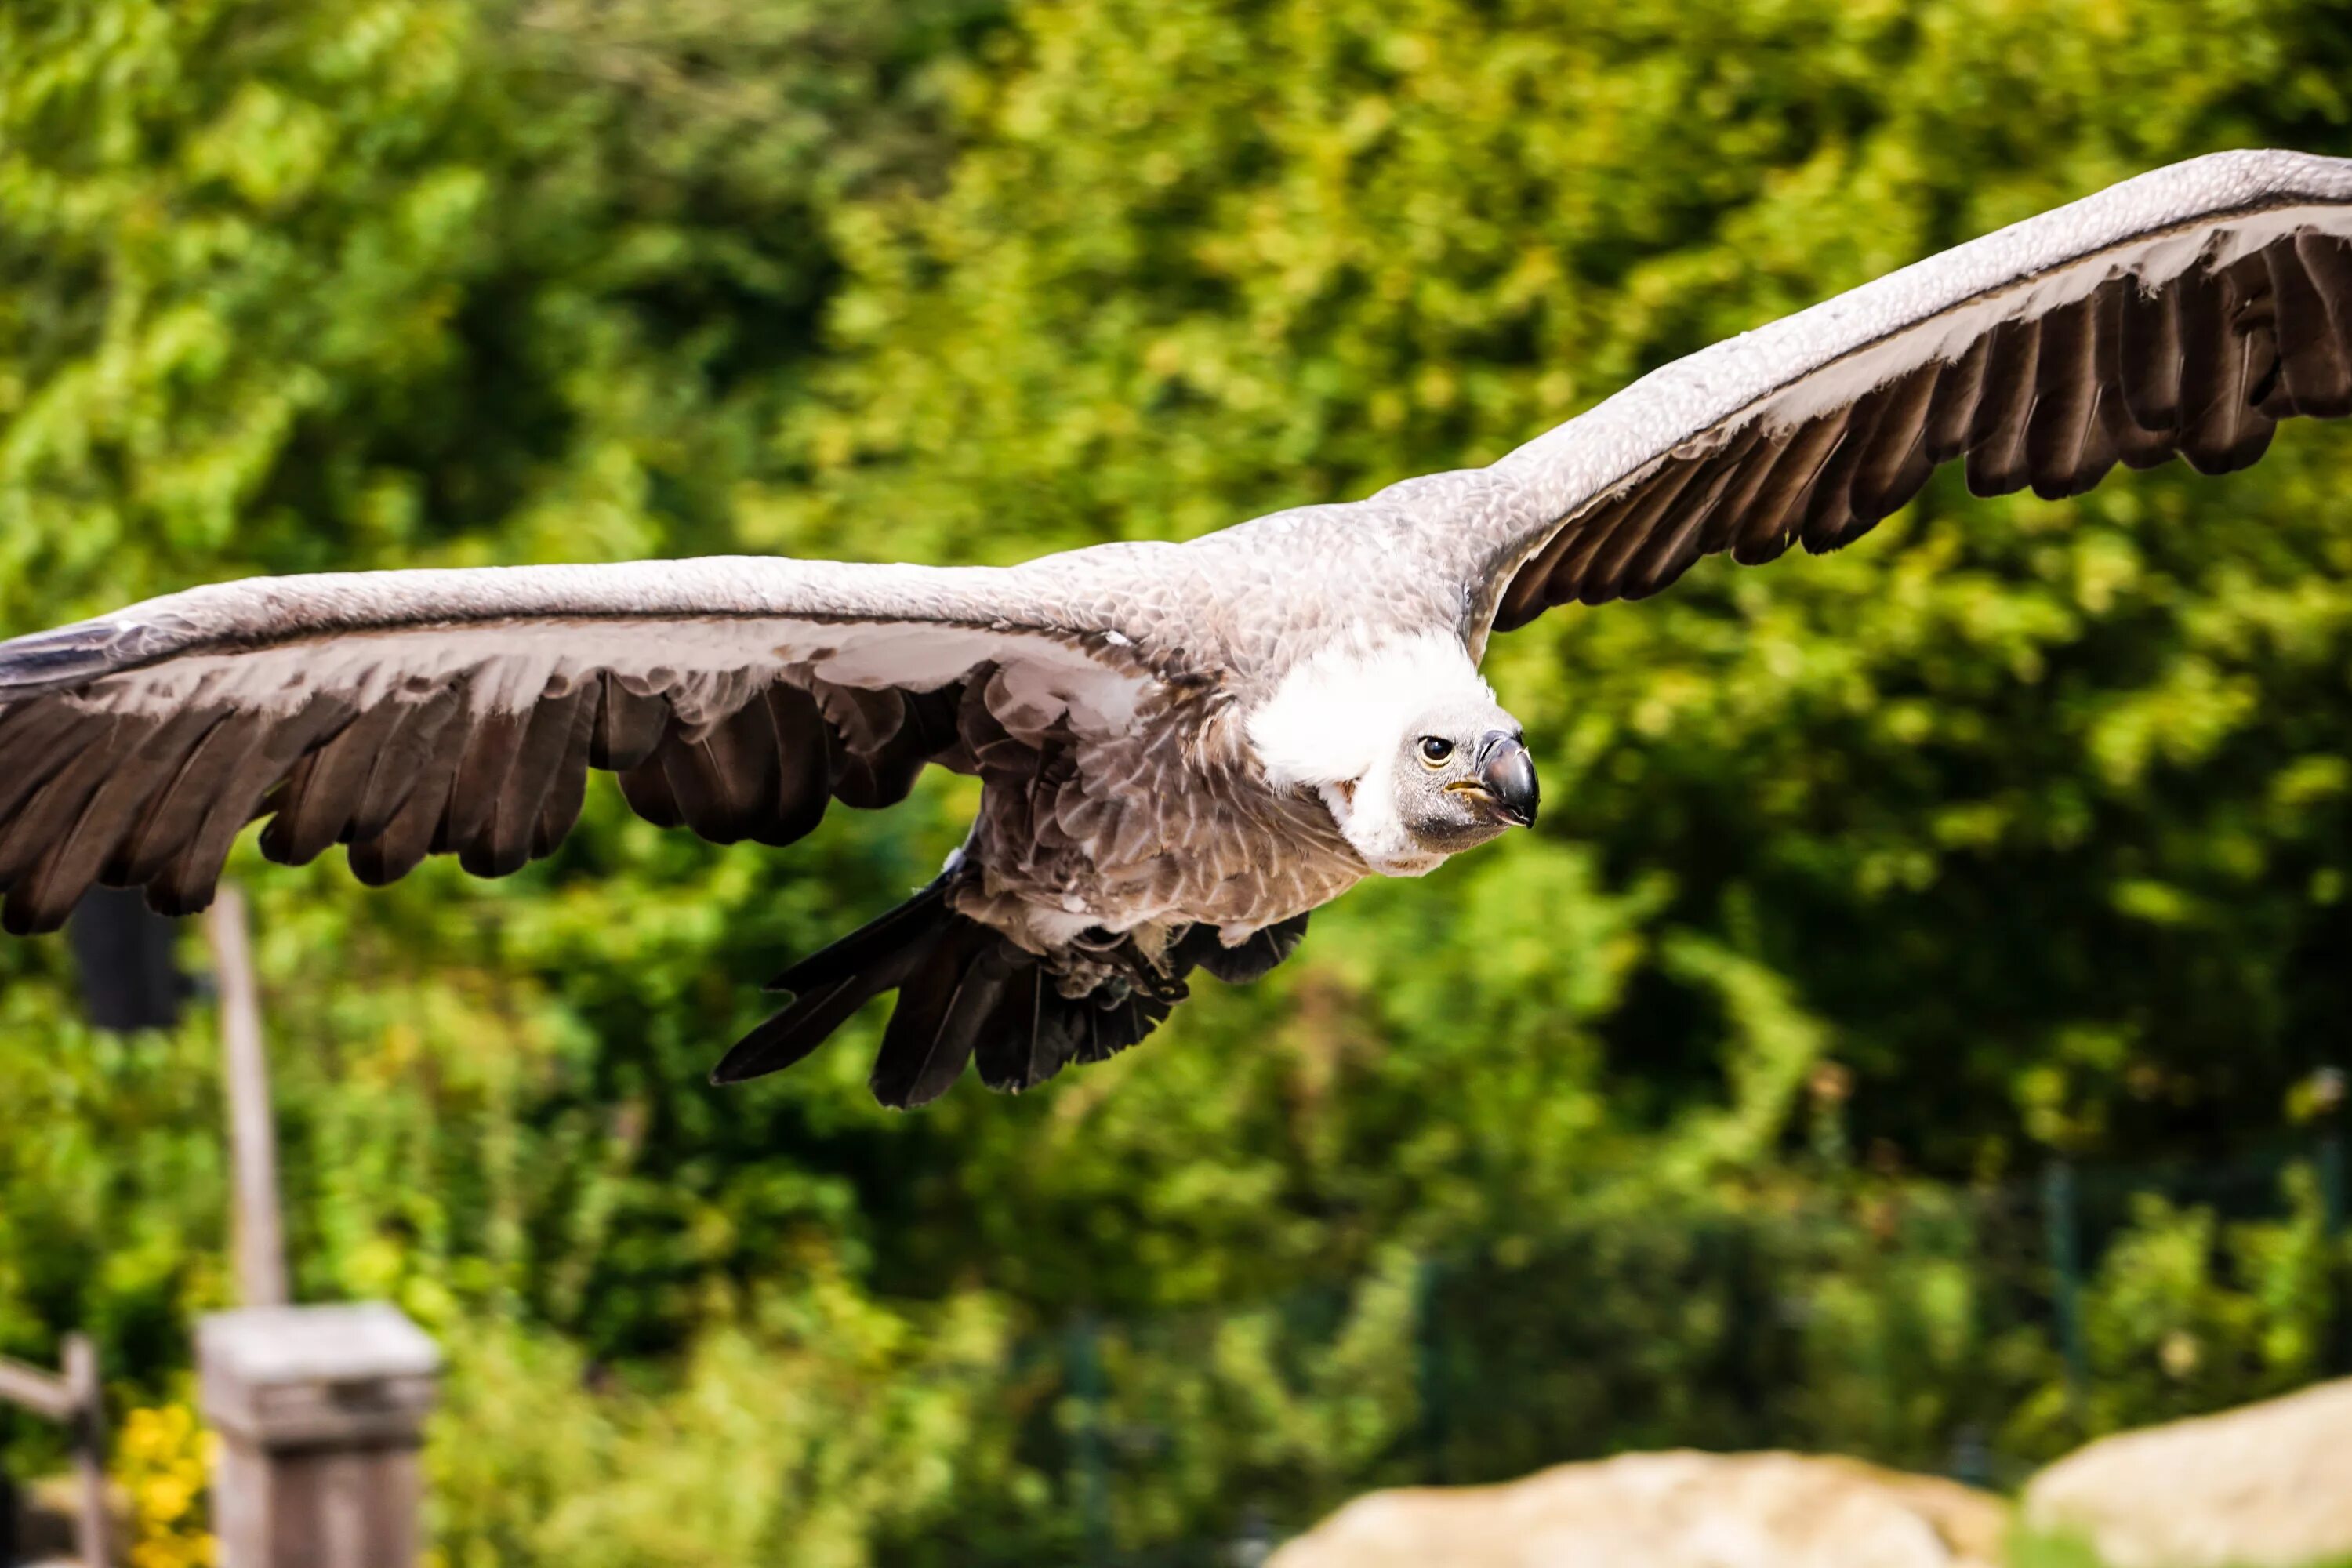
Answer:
(404, 714)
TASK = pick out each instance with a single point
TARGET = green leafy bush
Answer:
(2021, 827)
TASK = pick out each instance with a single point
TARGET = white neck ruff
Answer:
(1337, 724)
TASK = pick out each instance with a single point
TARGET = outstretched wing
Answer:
(407, 713)
(2185, 312)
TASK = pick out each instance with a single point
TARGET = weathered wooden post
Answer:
(258, 1234)
(88, 1395)
(321, 1412)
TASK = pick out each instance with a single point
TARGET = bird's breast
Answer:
(1153, 828)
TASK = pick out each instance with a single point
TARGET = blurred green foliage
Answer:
(2035, 821)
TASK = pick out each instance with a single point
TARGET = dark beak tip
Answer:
(1509, 775)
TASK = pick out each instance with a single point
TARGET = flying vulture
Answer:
(1183, 748)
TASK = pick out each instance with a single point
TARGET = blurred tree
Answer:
(2034, 817)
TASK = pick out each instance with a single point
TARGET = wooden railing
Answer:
(75, 1402)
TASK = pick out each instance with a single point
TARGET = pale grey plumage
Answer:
(1184, 748)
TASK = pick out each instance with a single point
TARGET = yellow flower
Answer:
(161, 1461)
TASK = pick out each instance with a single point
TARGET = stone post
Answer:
(321, 1412)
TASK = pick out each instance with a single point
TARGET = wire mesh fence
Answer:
(1974, 1331)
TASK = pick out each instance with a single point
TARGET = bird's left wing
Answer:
(404, 714)
(2185, 312)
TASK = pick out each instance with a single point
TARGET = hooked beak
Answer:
(1508, 776)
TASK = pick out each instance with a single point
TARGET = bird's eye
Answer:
(1435, 749)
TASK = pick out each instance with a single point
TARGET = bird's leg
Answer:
(1138, 961)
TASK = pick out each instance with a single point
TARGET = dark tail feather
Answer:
(920, 918)
(796, 1031)
(835, 983)
(942, 1008)
(1036, 1032)
(958, 983)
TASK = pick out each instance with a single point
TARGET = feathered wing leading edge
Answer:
(2186, 313)
(414, 714)
(967, 996)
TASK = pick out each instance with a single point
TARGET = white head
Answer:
(1406, 744)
